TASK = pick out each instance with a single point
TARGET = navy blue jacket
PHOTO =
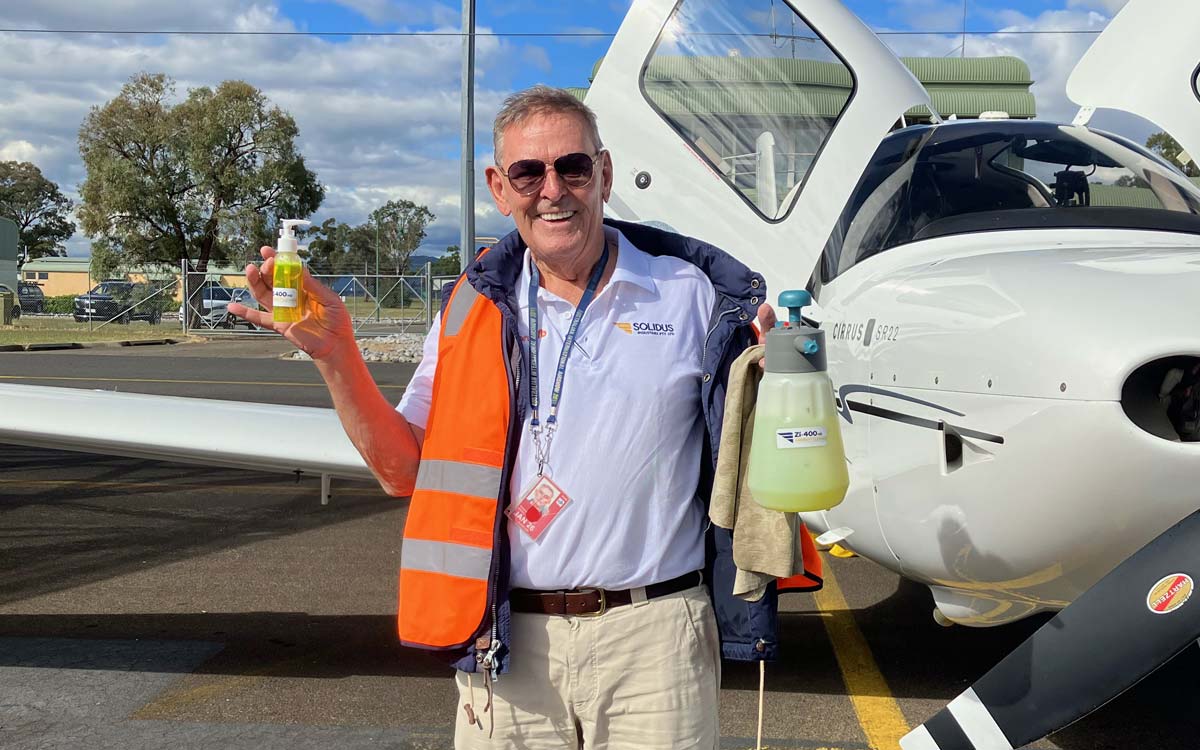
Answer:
(747, 629)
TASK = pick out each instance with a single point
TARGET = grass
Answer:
(31, 330)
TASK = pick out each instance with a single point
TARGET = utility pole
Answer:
(466, 240)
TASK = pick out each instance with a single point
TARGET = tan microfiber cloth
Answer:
(766, 545)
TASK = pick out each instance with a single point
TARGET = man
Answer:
(584, 360)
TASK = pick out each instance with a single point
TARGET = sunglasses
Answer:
(576, 170)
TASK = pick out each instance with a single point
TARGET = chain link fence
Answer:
(379, 304)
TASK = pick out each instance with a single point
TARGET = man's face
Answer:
(558, 222)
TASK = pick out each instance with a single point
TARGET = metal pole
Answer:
(964, 30)
(428, 294)
(187, 307)
(466, 242)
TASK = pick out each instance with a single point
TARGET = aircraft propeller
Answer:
(1127, 625)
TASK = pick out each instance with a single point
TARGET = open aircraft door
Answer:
(1146, 62)
(746, 124)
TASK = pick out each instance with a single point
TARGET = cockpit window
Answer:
(752, 90)
(954, 179)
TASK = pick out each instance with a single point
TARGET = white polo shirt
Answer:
(630, 427)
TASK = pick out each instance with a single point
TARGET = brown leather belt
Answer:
(593, 601)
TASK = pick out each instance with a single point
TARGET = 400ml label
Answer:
(800, 437)
(285, 297)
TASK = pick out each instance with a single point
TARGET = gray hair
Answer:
(541, 100)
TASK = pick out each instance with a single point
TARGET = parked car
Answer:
(16, 310)
(121, 301)
(211, 303)
(30, 296)
(243, 296)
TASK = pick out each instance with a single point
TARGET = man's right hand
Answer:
(326, 324)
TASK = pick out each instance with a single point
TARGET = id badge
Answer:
(538, 507)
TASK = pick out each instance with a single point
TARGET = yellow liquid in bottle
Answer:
(288, 298)
(797, 462)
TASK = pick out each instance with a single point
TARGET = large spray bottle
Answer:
(797, 462)
(288, 299)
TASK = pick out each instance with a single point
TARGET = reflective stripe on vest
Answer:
(449, 552)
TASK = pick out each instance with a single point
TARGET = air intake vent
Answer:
(1163, 398)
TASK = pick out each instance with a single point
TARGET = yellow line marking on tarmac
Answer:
(878, 712)
(165, 380)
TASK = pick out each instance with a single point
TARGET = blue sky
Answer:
(378, 114)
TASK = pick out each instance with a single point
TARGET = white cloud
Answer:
(1108, 6)
(378, 115)
(1051, 57)
(937, 15)
(127, 14)
(19, 151)
(384, 12)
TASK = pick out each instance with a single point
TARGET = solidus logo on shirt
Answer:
(647, 329)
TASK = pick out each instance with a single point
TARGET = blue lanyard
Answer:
(543, 450)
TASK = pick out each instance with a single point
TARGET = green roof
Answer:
(69, 265)
(750, 86)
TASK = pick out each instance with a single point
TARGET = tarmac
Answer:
(146, 604)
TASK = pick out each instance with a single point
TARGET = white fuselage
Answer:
(1027, 336)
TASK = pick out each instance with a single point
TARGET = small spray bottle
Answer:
(288, 299)
(797, 462)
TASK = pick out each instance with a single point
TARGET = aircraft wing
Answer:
(171, 428)
(1146, 62)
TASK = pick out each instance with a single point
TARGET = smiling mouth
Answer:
(556, 216)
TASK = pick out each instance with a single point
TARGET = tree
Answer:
(449, 264)
(105, 262)
(1169, 149)
(204, 180)
(37, 206)
(337, 248)
(400, 227)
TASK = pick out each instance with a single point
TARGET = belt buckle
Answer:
(603, 604)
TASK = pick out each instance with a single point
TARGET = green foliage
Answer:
(105, 262)
(337, 248)
(37, 206)
(390, 236)
(399, 227)
(449, 264)
(1169, 149)
(62, 304)
(202, 180)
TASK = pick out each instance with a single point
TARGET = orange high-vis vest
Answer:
(449, 550)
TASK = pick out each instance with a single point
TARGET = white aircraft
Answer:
(1009, 308)
(1006, 311)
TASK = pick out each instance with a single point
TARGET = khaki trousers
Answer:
(644, 675)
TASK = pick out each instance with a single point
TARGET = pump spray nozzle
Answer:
(794, 300)
(287, 234)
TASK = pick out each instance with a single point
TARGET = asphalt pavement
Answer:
(146, 605)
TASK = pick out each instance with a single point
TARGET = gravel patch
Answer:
(397, 347)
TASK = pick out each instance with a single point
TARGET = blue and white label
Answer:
(800, 437)
(285, 297)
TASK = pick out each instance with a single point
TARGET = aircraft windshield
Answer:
(954, 179)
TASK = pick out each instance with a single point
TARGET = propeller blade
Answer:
(1130, 623)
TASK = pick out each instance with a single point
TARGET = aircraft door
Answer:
(1146, 62)
(746, 124)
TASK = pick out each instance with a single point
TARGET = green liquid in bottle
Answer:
(797, 462)
(288, 298)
